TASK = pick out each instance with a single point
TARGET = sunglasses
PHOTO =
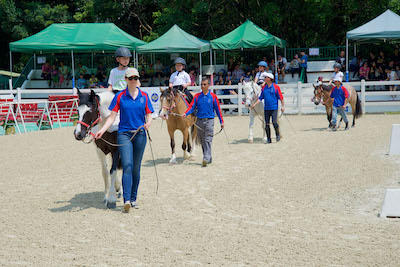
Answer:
(133, 78)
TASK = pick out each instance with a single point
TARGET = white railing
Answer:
(297, 96)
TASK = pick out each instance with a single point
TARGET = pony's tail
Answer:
(358, 113)
(195, 133)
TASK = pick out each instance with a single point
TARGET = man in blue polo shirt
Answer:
(340, 97)
(303, 65)
(206, 103)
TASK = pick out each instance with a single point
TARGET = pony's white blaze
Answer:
(163, 113)
(82, 109)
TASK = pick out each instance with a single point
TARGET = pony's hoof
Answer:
(264, 141)
(250, 141)
(111, 205)
(173, 162)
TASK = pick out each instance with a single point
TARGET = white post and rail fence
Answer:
(298, 99)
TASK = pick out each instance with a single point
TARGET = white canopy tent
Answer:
(382, 28)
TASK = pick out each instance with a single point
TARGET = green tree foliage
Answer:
(302, 23)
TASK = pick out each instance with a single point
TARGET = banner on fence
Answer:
(154, 94)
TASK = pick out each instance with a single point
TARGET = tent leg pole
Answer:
(200, 74)
(355, 49)
(224, 58)
(34, 61)
(11, 68)
(276, 66)
(347, 60)
(73, 69)
(92, 63)
(134, 58)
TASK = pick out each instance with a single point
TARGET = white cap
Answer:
(337, 79)
(269, 75)
(131, 72)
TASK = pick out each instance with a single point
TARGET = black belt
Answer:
(205, 119)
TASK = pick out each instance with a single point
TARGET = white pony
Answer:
(252, 91)
(90, 108)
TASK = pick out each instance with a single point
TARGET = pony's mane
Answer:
(326, 88)
(167, 92)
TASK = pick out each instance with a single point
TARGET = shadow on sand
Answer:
(83, 201)
(246, 141)
(315, 129)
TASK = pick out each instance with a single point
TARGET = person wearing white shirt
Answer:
(116, 80)
(261, 74)
(180, 79)
(337, 74)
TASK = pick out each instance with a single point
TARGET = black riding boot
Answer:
(268, 131)
(189, 96)
(278, 136)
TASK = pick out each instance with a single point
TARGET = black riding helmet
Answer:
(123, 52)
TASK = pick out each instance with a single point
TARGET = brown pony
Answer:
(173, 105)
(323, 92)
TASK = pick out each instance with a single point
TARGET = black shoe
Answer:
(278, 138)
(269, 141)
(347, 126)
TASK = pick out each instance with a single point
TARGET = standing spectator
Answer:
(231, 65)
(237, 75)
(247, 77)
(193, 65)
(158, 69)
(303, 65)
(396, 57)
(295, 65)
(63, 73)
(374, 73)
(282, 62)
(392, 76)
(354, 65)
(81, 82)
(206, 103)
(46, 71)
(101, 71)
(364, 71)
(192, 75)
(371, 59)
(342, 60)
(54, 75)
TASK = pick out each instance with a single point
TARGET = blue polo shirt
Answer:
(132, 111)
(339, 95)
(271, 94)
(305, 57)
(206, 105)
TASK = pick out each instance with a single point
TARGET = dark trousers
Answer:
(271, 114)
(131, 158)
(305, 73)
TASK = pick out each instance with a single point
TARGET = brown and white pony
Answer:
(173, 105)
(93, 111)
(323, 92)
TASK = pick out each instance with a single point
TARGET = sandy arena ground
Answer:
(310, 200)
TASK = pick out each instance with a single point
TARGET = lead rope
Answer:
(133, 136)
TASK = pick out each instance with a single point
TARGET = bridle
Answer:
(173, 103)
(255, 96)
(93, 122)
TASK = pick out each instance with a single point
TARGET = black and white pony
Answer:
(93, 111)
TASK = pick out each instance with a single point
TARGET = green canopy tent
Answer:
(384, 27)
(176, 40)
(248, 36)
(76, 37)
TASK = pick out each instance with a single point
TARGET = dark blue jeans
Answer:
(131, 157)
